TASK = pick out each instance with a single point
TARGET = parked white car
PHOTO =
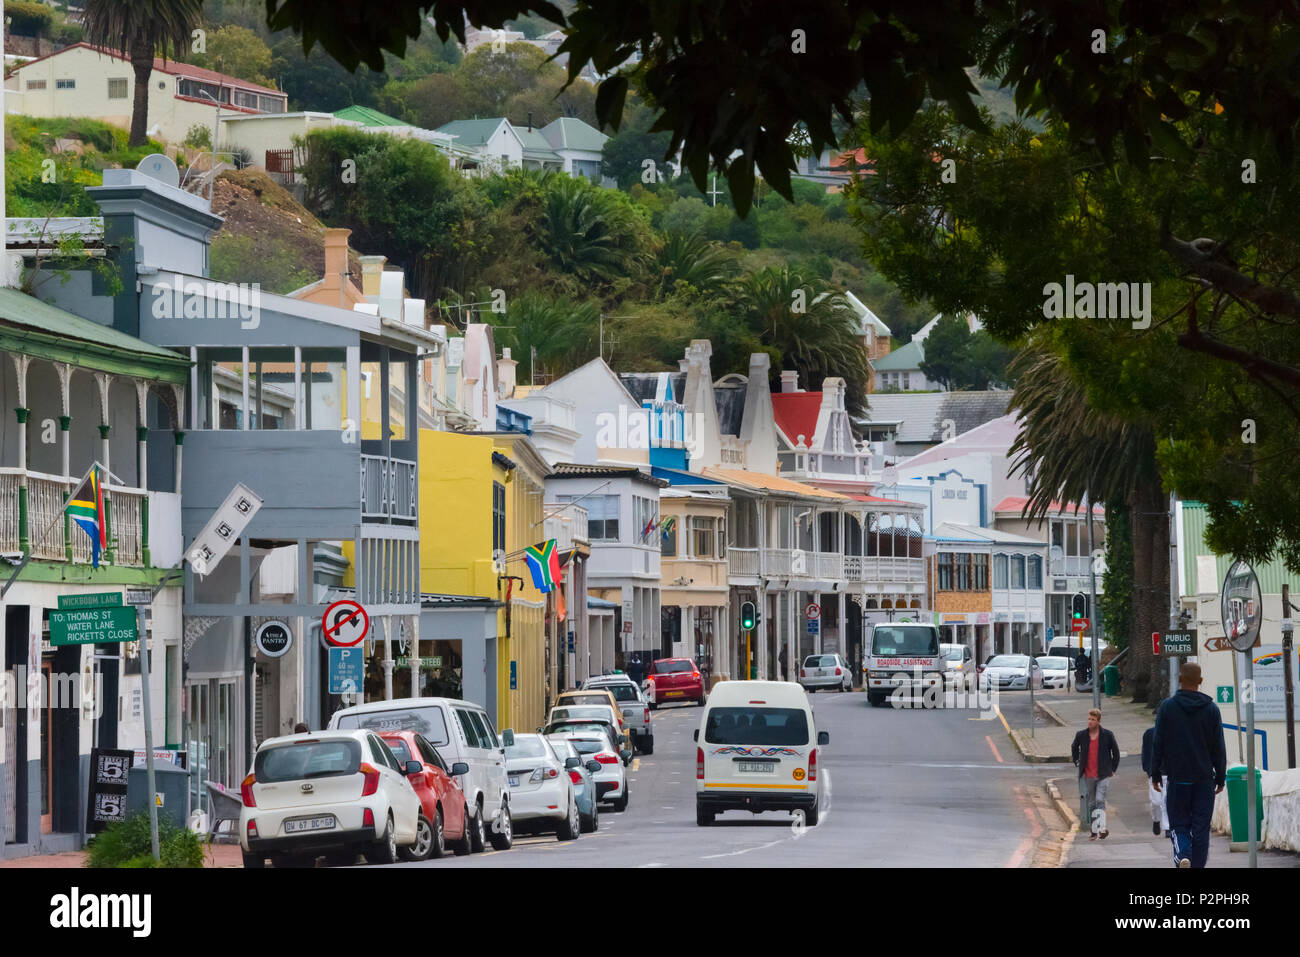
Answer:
(635, 707)
(330, 792)
(1058, 672)
(825, 671)
(459, 731)
(541, 792)
(1010, 673)
(611, 779)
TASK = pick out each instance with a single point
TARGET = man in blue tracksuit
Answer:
(1188, 748)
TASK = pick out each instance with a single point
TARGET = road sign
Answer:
(1220, 643)
(274, 638)
(428, 661)
(139, 596)
(1174, 644)
(514, 675)
(347, 668)
(814, 626)
(812, 611)
(345, 623)
(1079, 624)
(84, 626)
(1241, 606)
(223, 529)
(1155, 644)
(1051, 633)
(1224, 694)
(627, 627)
(101, 599)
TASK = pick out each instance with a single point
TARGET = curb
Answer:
(1032, 756)
(1050, 714)
(1071, 819)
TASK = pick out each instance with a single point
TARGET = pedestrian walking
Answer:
(635, 670)
(1187, 749)
(1082, 671)
(1156, 796)
(782, 658)
(1096, 754)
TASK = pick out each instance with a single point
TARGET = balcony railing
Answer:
(883, 568)
(54, 538)
(567, 526)
(1069, 566)
(389, 490)
(742, 561)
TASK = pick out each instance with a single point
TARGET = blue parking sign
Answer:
(347, 668)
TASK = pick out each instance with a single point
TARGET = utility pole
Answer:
(1288, 634)
(1175, 618)
(1092, 613)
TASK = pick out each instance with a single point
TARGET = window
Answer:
(498, 517)
(427, 752)
(117, 88)
(68, 84)
(644, 512)
(780, 726)
(427, 721)
(999, 571)
(1017, 571)
(703, 537)
(961, 569)
(981, 570)
(907, 379)
(602, 517)
(468, 727)
(722, 538)
(489, 732)
(945, 572)
(668, 542)
(1035, 572)
(35, 84)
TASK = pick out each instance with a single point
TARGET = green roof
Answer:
(535, 145)
(29, 326)
(368, 117)
(571, 133)
(1196, 518)
(472, 132)
(905, 357)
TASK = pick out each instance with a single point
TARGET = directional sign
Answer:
(1223, 644)
(345, 623)
(812, 611)
(1174, 644)
(274, 638)
(347, 668)
(223, 529)
(1079, 624)
(1224, 695)
(85, 626)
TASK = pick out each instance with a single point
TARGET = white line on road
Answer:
(709, 857)
(653, 864)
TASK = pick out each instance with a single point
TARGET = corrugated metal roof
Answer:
(1196, 518)
(368, 117)
(770, 483)
(903, 358)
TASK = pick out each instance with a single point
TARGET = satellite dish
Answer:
(159, 167)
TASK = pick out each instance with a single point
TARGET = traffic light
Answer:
(1077, 611)
(748, 617)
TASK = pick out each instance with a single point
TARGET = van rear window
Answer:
(750, 725)
(425, 721)
(891, 640)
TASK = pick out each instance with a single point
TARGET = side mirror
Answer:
(626, 755)
(593, 767)
(459, 768)
(539, 730)
(413, 767)
(571, 763)
(508, 737)
(823, 737)
(696, 734)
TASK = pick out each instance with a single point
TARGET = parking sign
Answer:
(347, 670)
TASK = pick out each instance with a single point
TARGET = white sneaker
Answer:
(1184, 862)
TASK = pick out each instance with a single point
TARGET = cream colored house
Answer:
(84, 80)
(693, 583)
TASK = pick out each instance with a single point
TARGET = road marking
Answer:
(994, 747)
(709, 857)
(653, 864)
(1035, 831)
(636, 764)
(1003, 719)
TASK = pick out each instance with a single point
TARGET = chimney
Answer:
(530, 121)
(789, 381)
(336, 258)
(506, 373)
(371, 269)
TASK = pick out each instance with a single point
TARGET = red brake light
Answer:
(246, 791)
(838, 671)
(812, 765)
(372, 780)
(252, 828)
(696, 676)
(699, 764)
(802, 673)
(607, 758)
(575, 777)
(647, 715)
(368, 818)
(552, 773)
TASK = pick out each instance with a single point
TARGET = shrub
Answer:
(126, 844)
(29, 19)
(199, 136)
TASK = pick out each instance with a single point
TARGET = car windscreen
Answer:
(1009, 661)
(622, 692)
(753, 725)
(307, 759)
(1054, 664)
(400, 751)
(426, 721)
(560, 746)
(575, 727)
(578, 699)
(530, 747)
(581, 711)
(892, 640)
(672, 667)
(819, 661)
(588, 745)
(952, 654)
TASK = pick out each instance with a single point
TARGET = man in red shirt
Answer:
(1095, 753)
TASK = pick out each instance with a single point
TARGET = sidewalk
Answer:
(214, 855)
(1128, 816)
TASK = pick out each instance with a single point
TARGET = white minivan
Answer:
(757, 751)
(459, 731)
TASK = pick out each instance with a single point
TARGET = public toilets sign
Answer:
(92, 619)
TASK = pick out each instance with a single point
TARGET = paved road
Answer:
(906, 789)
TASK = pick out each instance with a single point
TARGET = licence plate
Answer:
(756, 767)
(309, 824)
(671, 693)
(514, 780)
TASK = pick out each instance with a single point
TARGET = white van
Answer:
(460, 731)
(757, 751)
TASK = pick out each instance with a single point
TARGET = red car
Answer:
(443, 810)
(674, 679)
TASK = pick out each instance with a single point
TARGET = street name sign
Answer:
(103, 599)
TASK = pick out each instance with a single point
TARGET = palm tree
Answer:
(808, 326)
(692, 259)
(1072, 452)
(582, 232)
(563, 332)
(139, 29)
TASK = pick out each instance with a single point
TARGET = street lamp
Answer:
(216, 128)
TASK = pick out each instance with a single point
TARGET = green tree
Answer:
(439, 99)
(315, 81)
(492, 78)
(28, 19)
(587, 232)
(947, 353)
(1117, 581)
(990, 363)
(139, 29)
(692, 261)
(237, 51)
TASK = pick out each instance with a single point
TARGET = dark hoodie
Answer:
(1188, 743)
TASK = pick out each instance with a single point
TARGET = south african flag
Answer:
(543, 564)
(86, 506)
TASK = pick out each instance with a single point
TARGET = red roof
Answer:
(796, 414)
(877, 498)
(859, 160)
(1017, 503)
(170, 67)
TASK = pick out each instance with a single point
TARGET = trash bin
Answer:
(1238, 806)
(172, 784)
(1110, 680)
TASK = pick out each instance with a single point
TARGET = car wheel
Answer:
(876, 698)
(593, 825)
(810, 690)
(811, 816)
(426, 835)
(621, 803)
(649, 747)
(384, 850)
(463, 845)
(503, 831)
(703, 818)
(477, 839)
(254, 861)
(571, 827)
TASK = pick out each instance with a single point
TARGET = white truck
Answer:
(902, 655)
